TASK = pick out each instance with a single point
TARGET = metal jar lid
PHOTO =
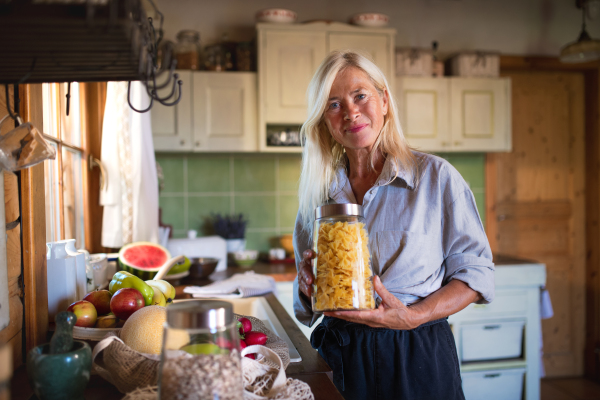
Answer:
(200, 314)
(331, 210)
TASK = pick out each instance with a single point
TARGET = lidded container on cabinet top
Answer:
(200, 356)
(187, 50)
(342, 267)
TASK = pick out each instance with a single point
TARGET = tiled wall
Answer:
(262, 186)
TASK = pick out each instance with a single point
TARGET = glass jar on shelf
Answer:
(200, 357)
(342, 267)
(187, 50)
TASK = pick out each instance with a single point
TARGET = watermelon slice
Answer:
(143, 259)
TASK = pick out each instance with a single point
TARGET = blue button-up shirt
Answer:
(420, 237)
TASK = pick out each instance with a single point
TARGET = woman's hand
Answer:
(391, 313)
(305, 274)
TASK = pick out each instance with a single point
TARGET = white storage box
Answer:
(492, 341)
(414, 62)
(502, 384)
(475, 64)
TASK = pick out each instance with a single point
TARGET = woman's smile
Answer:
(357, 128)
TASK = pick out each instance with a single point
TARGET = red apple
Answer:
(100, 299)
(125, 302)
(85, 312)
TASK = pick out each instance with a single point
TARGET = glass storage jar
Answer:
(200, 356)
(342, 267)
(187, 50)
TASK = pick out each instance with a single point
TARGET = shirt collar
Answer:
(391, 171)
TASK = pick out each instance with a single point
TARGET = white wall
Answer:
(532, 27)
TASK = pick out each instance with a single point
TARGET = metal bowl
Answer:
(202, 267)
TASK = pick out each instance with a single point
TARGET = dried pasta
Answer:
(343, 274)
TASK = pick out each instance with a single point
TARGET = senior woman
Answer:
(429, 250)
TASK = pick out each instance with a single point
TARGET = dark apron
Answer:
(381, 364)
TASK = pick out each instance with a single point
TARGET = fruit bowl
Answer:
(93, 334)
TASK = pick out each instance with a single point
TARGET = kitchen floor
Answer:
(569, 389)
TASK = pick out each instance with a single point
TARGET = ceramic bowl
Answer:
(245, 258)
(276, 15)
(370, 19)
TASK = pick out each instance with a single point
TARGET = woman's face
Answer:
(355, 110)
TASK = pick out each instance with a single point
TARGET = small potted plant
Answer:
(232, 228)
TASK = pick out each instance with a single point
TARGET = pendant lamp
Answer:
(584, 49)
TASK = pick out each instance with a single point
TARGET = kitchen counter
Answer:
(312, 369)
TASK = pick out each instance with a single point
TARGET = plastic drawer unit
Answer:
(492, 340)
(502, 384)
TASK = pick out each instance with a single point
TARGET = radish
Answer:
(255, 338)
(252, 356)
(246, 325)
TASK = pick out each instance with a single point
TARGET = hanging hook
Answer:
(129, 100)
(164, 103)
(15, 116)
(68, 97)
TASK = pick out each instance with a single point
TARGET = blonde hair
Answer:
(321, 154)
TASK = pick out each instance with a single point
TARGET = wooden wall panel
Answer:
(538, 202)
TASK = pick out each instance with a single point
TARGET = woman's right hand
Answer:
(305, 274)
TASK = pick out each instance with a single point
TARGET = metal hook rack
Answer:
(149, 66)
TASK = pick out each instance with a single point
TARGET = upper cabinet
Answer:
(172, 126)
(217, 112)
(455, 114)
(289, 55)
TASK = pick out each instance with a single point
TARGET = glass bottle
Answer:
(342, 267)
(187, 50)
(200, 357)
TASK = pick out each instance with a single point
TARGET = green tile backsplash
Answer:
(262, 186)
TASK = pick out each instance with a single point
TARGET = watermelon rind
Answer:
(142, 273)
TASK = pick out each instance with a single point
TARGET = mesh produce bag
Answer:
(129, 370)
(261, 380)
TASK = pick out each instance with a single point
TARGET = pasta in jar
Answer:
(342, 267)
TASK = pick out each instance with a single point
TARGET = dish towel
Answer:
(130, 197)
(247, 284)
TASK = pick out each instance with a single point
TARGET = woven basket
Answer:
(128, 369)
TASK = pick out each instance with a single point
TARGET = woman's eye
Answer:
(361, 96)
(333, 106)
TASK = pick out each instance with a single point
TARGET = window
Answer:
(64, 176)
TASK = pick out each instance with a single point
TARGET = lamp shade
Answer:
(583, 50)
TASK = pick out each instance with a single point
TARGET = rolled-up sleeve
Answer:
(467, 252)
(302, 306)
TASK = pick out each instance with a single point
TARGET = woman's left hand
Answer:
(391, 313)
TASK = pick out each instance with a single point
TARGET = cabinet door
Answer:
(424, 114)
(378, 47)
(225, 114)
(480, 116)
(172, 126)
(290, 61)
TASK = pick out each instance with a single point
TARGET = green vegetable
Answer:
(123, 279)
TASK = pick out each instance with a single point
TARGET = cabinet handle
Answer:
(182, 142)
(198, 143)
(458, 143)
(491, 327)
(491, 376)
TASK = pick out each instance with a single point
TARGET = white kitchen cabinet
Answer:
(217, 112)
(172, 126)
(289, 55)
(503, 336)
(225, 114)
(455, 114)
(291, 58)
